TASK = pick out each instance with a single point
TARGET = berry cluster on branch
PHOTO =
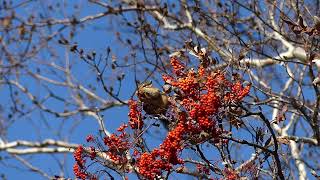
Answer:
(199, 95)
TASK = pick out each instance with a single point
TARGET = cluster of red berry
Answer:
(237, 92)
(118, 146)
(230, 174)
(178, 67)
(200, 94)
(151, 165)
(135, 117)
(79, 166)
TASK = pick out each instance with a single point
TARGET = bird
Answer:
(154, 100)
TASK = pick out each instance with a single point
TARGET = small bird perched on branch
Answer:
(154, 101)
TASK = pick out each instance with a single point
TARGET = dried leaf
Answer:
(236, 123)
(309, 31)
(301, 23)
